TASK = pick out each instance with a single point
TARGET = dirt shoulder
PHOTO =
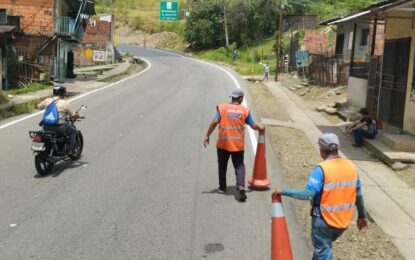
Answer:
(297, 157)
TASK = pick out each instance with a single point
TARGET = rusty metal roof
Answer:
(6, 28)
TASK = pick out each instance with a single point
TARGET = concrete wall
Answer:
(403, 28)
(36, 16)
(361, 52)
(97, 36)
(357, 92)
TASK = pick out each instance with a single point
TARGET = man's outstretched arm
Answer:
(211, 128)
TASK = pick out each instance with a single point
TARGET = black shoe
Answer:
(356, 145)
(242, 194)
(72, 152)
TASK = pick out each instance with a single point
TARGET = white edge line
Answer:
(250, 130)
(80, 96)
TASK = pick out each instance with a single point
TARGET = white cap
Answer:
(327, 140)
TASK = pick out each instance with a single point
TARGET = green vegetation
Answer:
(3, 97)
(132, 69)
(141, 14)
(29, 88)
(327, 9)
(248, 59)
(249, 21)
(18, 109)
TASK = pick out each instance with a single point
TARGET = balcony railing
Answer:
(66, 27)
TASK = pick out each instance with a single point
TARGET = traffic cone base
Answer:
(259, 183)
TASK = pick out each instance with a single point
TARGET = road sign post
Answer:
(169, 11)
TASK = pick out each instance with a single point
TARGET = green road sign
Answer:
(169, 11)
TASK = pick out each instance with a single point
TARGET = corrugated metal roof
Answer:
(6, 28)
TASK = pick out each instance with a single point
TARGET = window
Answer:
(3, 16)
(364, 36)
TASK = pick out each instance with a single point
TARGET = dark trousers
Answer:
(238, 164)
(64, 129)
(359, 134)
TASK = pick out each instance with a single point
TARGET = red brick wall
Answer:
(100, 33)
(380, 40)
(36, 16)
(316, 42)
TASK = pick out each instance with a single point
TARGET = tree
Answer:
(204, 27)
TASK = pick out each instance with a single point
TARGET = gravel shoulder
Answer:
(297, 158)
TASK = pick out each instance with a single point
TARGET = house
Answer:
(397, 81)
(97, 46)
(359, 41)
(387, 86)
(50, 30)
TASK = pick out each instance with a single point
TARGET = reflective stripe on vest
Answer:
(338, 199)
(232, 127)
(337, 208)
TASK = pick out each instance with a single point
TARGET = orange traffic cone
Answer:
(259, 178)
(280, 242)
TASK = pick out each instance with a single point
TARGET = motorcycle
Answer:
(50, 147)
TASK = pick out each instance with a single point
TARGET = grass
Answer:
(133, 68)
(141, 14)
(3, 97)
(248, 59)
(18, 109)
(28, 88)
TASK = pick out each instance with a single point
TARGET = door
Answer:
(394, 80)
(339, 44)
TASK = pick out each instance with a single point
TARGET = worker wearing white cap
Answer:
(335, 190)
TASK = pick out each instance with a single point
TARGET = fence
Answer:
(327, 69)
(21, 73)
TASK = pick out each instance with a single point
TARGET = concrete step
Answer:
(399, 142)
(386, 154)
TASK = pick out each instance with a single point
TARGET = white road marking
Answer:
(80, 96)
(250, 130)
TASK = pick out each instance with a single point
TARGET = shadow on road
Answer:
(230, 191)
(60, 167)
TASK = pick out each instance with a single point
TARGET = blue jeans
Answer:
(359, 134)
(322, 236)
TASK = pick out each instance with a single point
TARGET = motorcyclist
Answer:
(65, 110)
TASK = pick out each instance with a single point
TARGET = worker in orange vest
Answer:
(335, 190)
(231, 118)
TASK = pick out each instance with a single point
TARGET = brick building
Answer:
(97, 40)
(49, 31)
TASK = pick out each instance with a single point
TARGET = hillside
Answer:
(137, 21)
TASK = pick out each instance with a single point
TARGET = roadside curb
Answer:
(45, 93)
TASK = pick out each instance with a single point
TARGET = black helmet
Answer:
(59, 90)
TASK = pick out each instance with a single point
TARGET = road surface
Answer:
(145, 188)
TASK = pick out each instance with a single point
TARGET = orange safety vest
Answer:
(232, 127)
(338, 199)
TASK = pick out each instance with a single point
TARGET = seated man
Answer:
(362, 128)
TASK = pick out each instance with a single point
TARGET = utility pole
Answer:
(279, 37)
(113, 31)
(226, 24)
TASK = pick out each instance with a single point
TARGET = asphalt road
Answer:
(145, 187)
